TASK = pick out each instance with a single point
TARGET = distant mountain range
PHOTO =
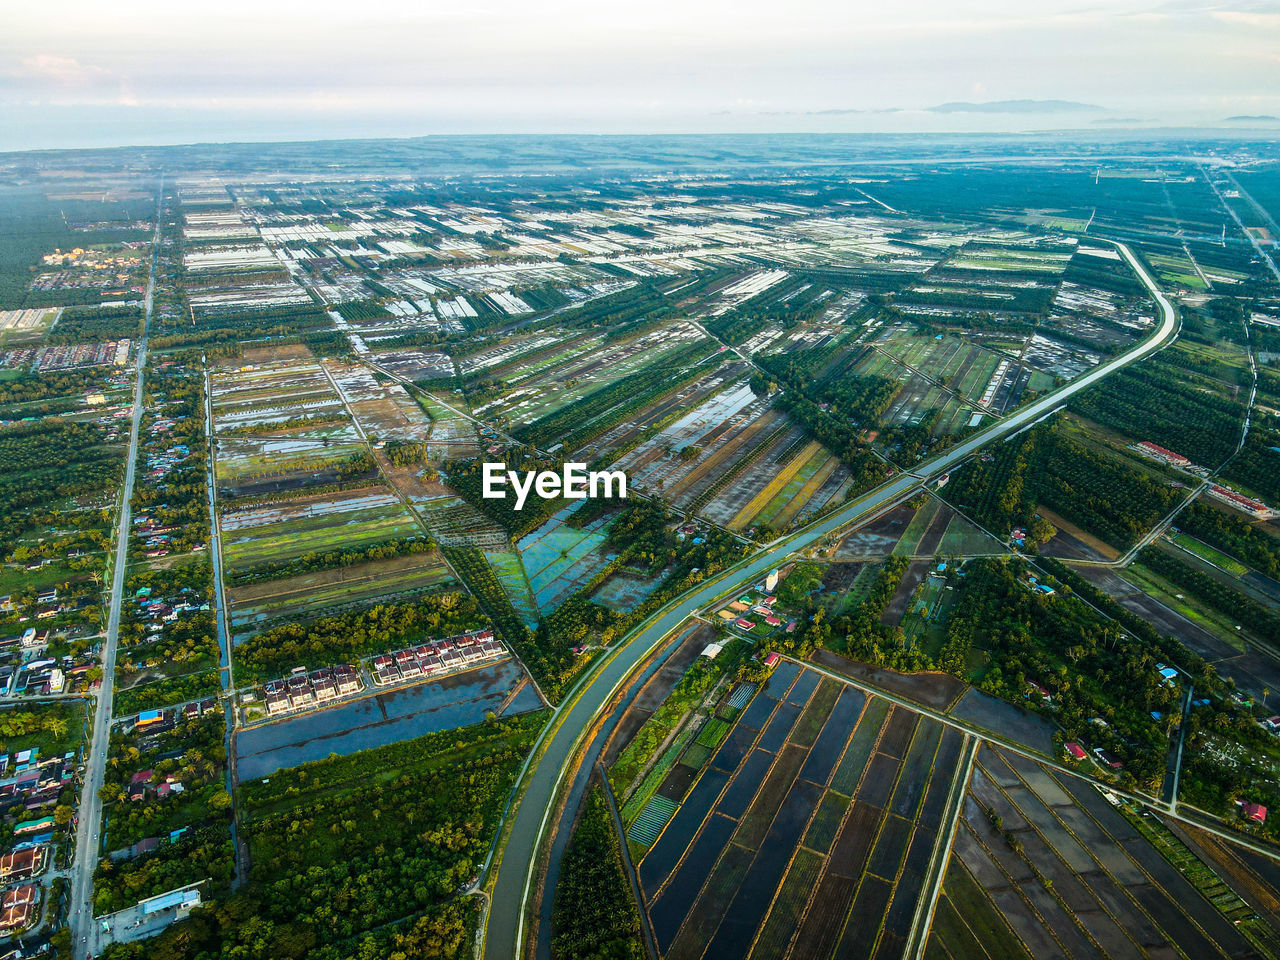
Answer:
(1016, 106)
(1253, 118)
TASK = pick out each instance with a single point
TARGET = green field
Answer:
(1206, 552)
(284, 540)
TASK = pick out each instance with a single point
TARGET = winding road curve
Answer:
(516, 877)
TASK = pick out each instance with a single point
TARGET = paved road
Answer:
(80, 915)
(515, 879)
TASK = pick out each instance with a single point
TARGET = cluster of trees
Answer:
(787, 304)
(1160, 402)
(1028, 299)
(282, 324)
(1205, 781)
(1046, 465)
(47, 461)
(1208, 364)
(1166, 649)
(1211, 784)
(53, 385)
(643, 535)
(834, 407)
(327, 343)
(863, 632)
(187, 644)
(1258, 465)
(354, 633)
(467, 477)
(90, 536)
(545, 296)
(1086, 662)
(361, 856)
(180, 497)
(155, 817)
(1112, 275)
(357, 465)
(193, 753)
(406, 453)
(21, 724)
(94, 324)
(363, 310)
(622, 312)
(643, 529)
(202, 853)
(161, 693)
(594, 914)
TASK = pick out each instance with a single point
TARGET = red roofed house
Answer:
(17, 906)
(23, 864)
(1075, 750)
(1254, 811)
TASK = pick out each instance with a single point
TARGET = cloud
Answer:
(62, 71)
(1015, 106)
(1248, 18)
(59, 80)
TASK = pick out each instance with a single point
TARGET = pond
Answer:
(376, 721)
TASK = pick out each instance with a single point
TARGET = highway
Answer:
(88, 830)
(516, 876)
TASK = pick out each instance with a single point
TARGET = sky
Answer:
(80, 73)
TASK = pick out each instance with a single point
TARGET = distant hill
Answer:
(1253, 118)
(1015, 106)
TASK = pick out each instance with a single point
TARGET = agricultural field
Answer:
(758, 334)
(804, 826)
(738, 463)
(257, 604)
(278, 533)
(1046, 865)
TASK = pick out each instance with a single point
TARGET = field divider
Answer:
(922, 922)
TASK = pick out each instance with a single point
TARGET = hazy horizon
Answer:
(146, 73)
